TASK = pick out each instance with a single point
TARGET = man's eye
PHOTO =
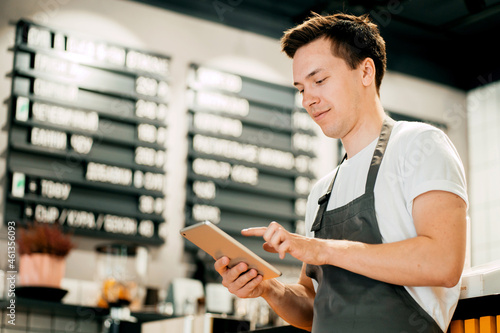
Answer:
(320, 81)
(301, 92)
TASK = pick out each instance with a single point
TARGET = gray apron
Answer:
(348, 302)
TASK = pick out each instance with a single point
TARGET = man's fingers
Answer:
(221, 265)
(269, 248)
(254, 231)
(234, 273)
(241, 281)
(272, 229)
(261, 231)
(274, 235)
(248, 290)
(229, 275)
(276, 238)
(283, 249)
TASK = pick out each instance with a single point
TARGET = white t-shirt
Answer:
(419, 158)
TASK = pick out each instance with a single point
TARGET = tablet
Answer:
(217, 243)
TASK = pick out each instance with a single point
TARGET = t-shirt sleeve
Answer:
(432, 163)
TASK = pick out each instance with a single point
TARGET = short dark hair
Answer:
(354, 38)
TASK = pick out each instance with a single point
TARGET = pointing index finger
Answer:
(260, 231)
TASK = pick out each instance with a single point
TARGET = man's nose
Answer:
(309, 99)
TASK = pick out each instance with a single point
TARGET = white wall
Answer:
(188, 40)
(484, 140)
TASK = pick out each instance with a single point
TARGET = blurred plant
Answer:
(44, 238)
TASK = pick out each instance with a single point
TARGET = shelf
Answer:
(73, 310)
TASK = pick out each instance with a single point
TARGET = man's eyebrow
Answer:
(314, 72)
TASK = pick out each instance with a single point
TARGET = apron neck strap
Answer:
(330, 187)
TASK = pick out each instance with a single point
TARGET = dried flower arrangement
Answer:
(44, 238)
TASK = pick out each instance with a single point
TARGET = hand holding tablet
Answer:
(218, 244)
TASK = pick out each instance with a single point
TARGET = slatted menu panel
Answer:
(250, 154)
(87, 135)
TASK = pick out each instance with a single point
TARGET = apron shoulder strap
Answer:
(378, 154)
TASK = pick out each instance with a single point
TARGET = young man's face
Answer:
(329, 87)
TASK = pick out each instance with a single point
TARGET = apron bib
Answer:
(348, 302)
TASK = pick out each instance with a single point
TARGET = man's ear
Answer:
(367, 67)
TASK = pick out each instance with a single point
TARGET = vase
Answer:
(41, 269)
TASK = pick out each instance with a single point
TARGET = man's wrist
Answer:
(330, 251)
(268, 288)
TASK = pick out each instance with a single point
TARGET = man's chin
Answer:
(330, 133)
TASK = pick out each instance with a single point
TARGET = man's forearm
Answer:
(418, 261)
(292, 302)
(433, 258)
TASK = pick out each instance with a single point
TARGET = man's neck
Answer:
(366, 129)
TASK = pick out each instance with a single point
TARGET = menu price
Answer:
(80, 219)
(87, 135)
(102, 52)
(251, 152)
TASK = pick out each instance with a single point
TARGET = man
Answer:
(386, 229)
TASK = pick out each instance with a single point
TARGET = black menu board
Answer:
(87, 135)
(250, 154)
